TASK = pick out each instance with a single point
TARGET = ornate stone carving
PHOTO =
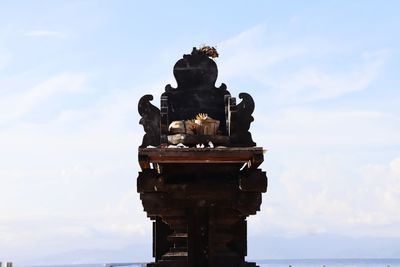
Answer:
(195, 93)
(199, 198)
(150, 121)
(241, 135)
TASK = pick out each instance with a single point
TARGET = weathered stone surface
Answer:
(196, 93)
(199, 198)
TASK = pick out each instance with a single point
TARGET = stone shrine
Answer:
(199, 177)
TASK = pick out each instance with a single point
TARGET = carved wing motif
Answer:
(150, 121)
(243, 120)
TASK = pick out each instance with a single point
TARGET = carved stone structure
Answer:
(199, 198)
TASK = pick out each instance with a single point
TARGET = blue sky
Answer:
(324, 77)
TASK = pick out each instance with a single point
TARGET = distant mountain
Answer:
(259, 247)
(132, 253)
(322, 246)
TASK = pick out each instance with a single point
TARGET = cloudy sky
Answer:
(325, 78)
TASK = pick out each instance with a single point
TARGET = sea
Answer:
(268, 263)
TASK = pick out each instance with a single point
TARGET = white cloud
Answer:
(315, 180)
(4, 60)
(322, 175)
(312, 83)
(312, 128)
(46, 33)
(15, 105)
(250, 53)
(294, 20)
(382, 182)
(300, 70)
(71, 177)
(332, 195)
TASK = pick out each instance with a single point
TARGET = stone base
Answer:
(199, 200)
(184, 264)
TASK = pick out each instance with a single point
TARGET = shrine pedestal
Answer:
(199, 199)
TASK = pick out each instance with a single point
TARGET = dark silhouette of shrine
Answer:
(198, 185)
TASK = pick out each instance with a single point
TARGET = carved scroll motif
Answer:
(150, 121)
(241, 135)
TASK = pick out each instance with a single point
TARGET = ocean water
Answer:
(329, 263)
(272, 263)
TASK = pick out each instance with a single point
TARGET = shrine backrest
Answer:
(196, 74)
(196, 93)
(186, 104)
